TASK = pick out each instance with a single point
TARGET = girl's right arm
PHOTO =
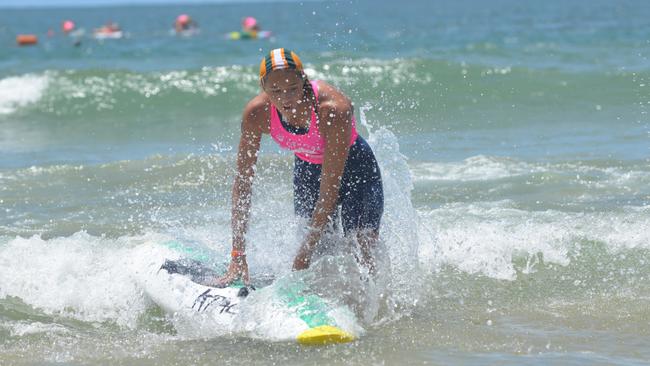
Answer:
(253, 125)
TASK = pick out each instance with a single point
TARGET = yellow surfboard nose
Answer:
(324, 334)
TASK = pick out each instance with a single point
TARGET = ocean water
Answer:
(513, 138)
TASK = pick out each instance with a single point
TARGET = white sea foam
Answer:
(487, 168)
(24, 328)
(19, 91)
(400, 221)
(475, 168)
(485, 238)
(80, 276)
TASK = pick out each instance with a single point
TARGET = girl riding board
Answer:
(333, 164)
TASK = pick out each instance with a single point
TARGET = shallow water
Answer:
(513, 139)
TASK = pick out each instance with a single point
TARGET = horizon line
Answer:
(127, 3)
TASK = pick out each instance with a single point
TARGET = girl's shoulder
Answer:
(257, 112)
(258, 102)
(330, 98)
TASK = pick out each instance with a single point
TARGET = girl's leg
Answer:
(367, 240)
(306, 185)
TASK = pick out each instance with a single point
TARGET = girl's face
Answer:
(285, 89)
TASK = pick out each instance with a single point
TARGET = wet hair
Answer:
(308, 92)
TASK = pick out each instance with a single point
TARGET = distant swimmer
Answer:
(185, 25)
(333, 165)
(67, 26)
(249, 24)
(250, 29)
(108, 31)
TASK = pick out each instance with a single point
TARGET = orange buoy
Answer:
(26, 39)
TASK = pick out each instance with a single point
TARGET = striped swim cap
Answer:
(280, 58)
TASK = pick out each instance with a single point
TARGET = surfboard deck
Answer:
(178, 285)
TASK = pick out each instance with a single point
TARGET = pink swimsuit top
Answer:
(310, 146)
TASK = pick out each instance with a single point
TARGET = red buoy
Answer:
(26, 39)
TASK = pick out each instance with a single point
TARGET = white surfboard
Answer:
(172, 281)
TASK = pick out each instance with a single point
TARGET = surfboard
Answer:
(108, 35)
(176, 279)
(237, 35)
(185, 32)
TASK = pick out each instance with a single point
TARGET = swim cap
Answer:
(280, 58)
(183, 18)
(249, 22)
(68, 26)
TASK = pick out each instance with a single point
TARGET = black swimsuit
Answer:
(361, 195)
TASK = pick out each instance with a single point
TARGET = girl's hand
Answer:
(238, 269)
(303, 259)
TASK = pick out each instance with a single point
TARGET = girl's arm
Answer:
(249, 145)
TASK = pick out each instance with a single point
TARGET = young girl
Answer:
(333, 164)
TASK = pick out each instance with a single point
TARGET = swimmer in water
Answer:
(67, 26)
(184, 23)
(249, 28)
